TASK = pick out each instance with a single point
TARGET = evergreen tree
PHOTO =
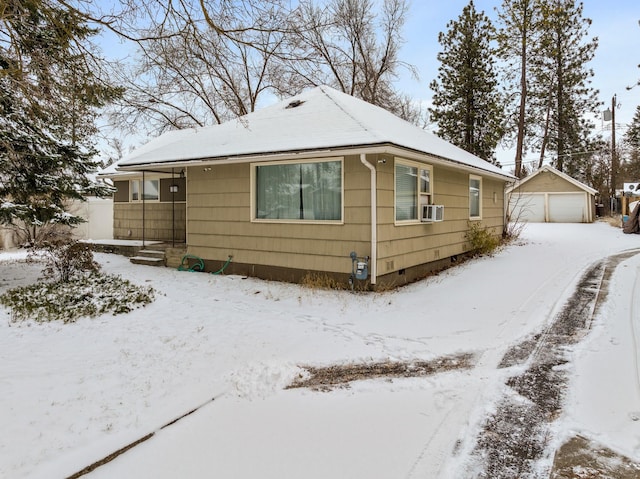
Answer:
(49, 100)
(631, 167)
(518, 41)
(632, 136)
(467, 104)
(561, 67)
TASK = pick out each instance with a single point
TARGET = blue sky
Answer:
(615, 23)
(615, 66)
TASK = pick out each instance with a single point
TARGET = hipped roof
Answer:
(319, 119)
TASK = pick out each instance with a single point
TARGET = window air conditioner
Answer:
(431, 213)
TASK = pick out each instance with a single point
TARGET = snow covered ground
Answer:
(72, 394)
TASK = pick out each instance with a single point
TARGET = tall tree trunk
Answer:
(545, 133)
(521, 112)
(560, 103)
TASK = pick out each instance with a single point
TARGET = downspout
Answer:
(173, 208)
(374, 219)
(143, 207)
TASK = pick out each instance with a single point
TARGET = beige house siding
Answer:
(405, 246)
(219, 212)
(219, 222)
(161, 221)
(548, 182)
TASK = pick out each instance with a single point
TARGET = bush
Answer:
(67, 301)
(65, 260)
(481, 239)
(513, 230)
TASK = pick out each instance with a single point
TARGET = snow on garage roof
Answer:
(320, 118)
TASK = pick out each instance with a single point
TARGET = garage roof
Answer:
(551, 169)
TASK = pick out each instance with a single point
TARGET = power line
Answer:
(533, 160)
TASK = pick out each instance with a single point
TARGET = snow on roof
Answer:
(320, 118)
(111, 172)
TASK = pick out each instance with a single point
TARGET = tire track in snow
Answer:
(515, 436)
(491, 357)
(416, 467)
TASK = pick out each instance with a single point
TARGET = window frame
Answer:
(479, 180)
(140, 189)
(422, 197)
(254, 193)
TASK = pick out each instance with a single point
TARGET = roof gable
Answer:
(320, 118)
(551, 169)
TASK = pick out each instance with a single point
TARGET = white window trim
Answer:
(253, 196)
(420, 195)
(475, 177)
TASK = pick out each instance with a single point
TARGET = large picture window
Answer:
(310, 191)
(475, 197)
(412, 188)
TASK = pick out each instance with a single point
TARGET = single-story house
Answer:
(295, 188)
(551, 196)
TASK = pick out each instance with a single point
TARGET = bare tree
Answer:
(350, 46)
(196, 67)
(200, 62)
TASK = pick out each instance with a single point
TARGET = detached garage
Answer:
(550, 196)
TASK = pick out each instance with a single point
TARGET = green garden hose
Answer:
(221, 270)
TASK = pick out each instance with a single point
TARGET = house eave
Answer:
(380, 148)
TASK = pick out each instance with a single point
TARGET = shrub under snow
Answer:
(67, 301)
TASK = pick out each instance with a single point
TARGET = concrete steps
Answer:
(149, 257)
(173, 256)
(160, 255)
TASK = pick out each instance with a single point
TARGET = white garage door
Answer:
(567, 208)
(527, 207)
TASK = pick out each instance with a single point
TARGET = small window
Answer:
(475, 197)
(135, 190)
(150, 190)
(425, 186)
(412, 189)
(147, 190)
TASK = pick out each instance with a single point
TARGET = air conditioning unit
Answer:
(632, 188)
(432, 213)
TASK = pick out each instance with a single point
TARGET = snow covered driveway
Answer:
(72, 394)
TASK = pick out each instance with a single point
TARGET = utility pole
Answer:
(614, 156)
